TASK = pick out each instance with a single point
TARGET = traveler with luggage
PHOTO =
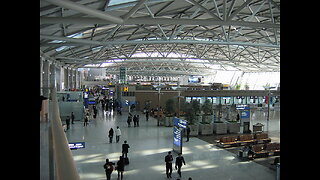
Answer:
(120, 167)
(125, 150)
(108, 166)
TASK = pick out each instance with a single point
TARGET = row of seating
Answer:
(264, 150)
(243, 139)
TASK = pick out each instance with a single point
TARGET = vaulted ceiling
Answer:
(163, 37)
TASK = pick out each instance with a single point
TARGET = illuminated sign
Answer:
(180, 122)
(77, 145)
(177, 136)
(125, 89)
(242, 106)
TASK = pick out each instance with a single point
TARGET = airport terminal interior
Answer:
(197, 78)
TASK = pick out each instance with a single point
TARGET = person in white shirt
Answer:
(118, 134)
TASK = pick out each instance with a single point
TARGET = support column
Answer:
(74, 78)
(69, 79)
(45, 79)
(41, 70)
(66, 79)
(58, 78)
(52, 75)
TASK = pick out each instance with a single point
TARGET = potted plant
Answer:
(205, 127)
(197, 111)
(169, 112)
(219, 126)
(207, 109)
(190, 117)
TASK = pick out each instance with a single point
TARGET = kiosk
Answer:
(244, 110)
(178, 126)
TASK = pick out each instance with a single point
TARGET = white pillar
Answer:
(45, 79)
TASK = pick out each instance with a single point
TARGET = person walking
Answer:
(134, 120)
(168, 159)
(120, 167)
(188, 133)
(125, 149)
(72, 118)
(118, 134)
(68, 122)
(147, 115)
(110, 135)
(86, 119)
(129, 119)
(179, 161)
(108, 166)
(138, 118)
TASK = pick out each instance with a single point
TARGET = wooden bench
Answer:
(227, 141)
(272, 148)
(262, 138)
(246, 139)
(258, 151)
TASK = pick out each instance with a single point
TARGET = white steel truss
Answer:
(163, 37)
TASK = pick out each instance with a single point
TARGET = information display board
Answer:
(77, 145)
(177, 140)
(179, 125)
(180, 122)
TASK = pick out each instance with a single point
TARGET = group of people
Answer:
(178, 164)
(135, 119)
(118, 134)
(123, 160)
(67, 126)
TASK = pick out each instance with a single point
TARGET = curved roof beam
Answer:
(122, 42)
(86, 10)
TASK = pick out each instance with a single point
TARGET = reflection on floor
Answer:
(149, 145)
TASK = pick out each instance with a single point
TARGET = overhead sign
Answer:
(242, 106)
(123, 75)
(77, 145)
(180, 122)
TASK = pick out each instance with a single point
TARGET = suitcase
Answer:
(126, 160)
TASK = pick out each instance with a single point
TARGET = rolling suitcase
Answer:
(126, 160)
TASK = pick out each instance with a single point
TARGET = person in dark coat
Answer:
(129, 119)
(108, 166)
(68, 122)
(120, 167)
(168, 159)
(137, 120)
(72, 118)
(110, 135)
(134, 120)
(147, 115)
(125, 149)
(188, 133)
(179, 161)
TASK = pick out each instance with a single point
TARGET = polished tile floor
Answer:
(149, 145)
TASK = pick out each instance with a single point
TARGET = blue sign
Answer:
(245, 114)
(180, 122)
(177, 136)
(77, 145)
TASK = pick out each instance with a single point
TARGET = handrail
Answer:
(64, 163)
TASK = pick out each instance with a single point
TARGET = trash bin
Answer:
(257, 128)
(278, 171)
